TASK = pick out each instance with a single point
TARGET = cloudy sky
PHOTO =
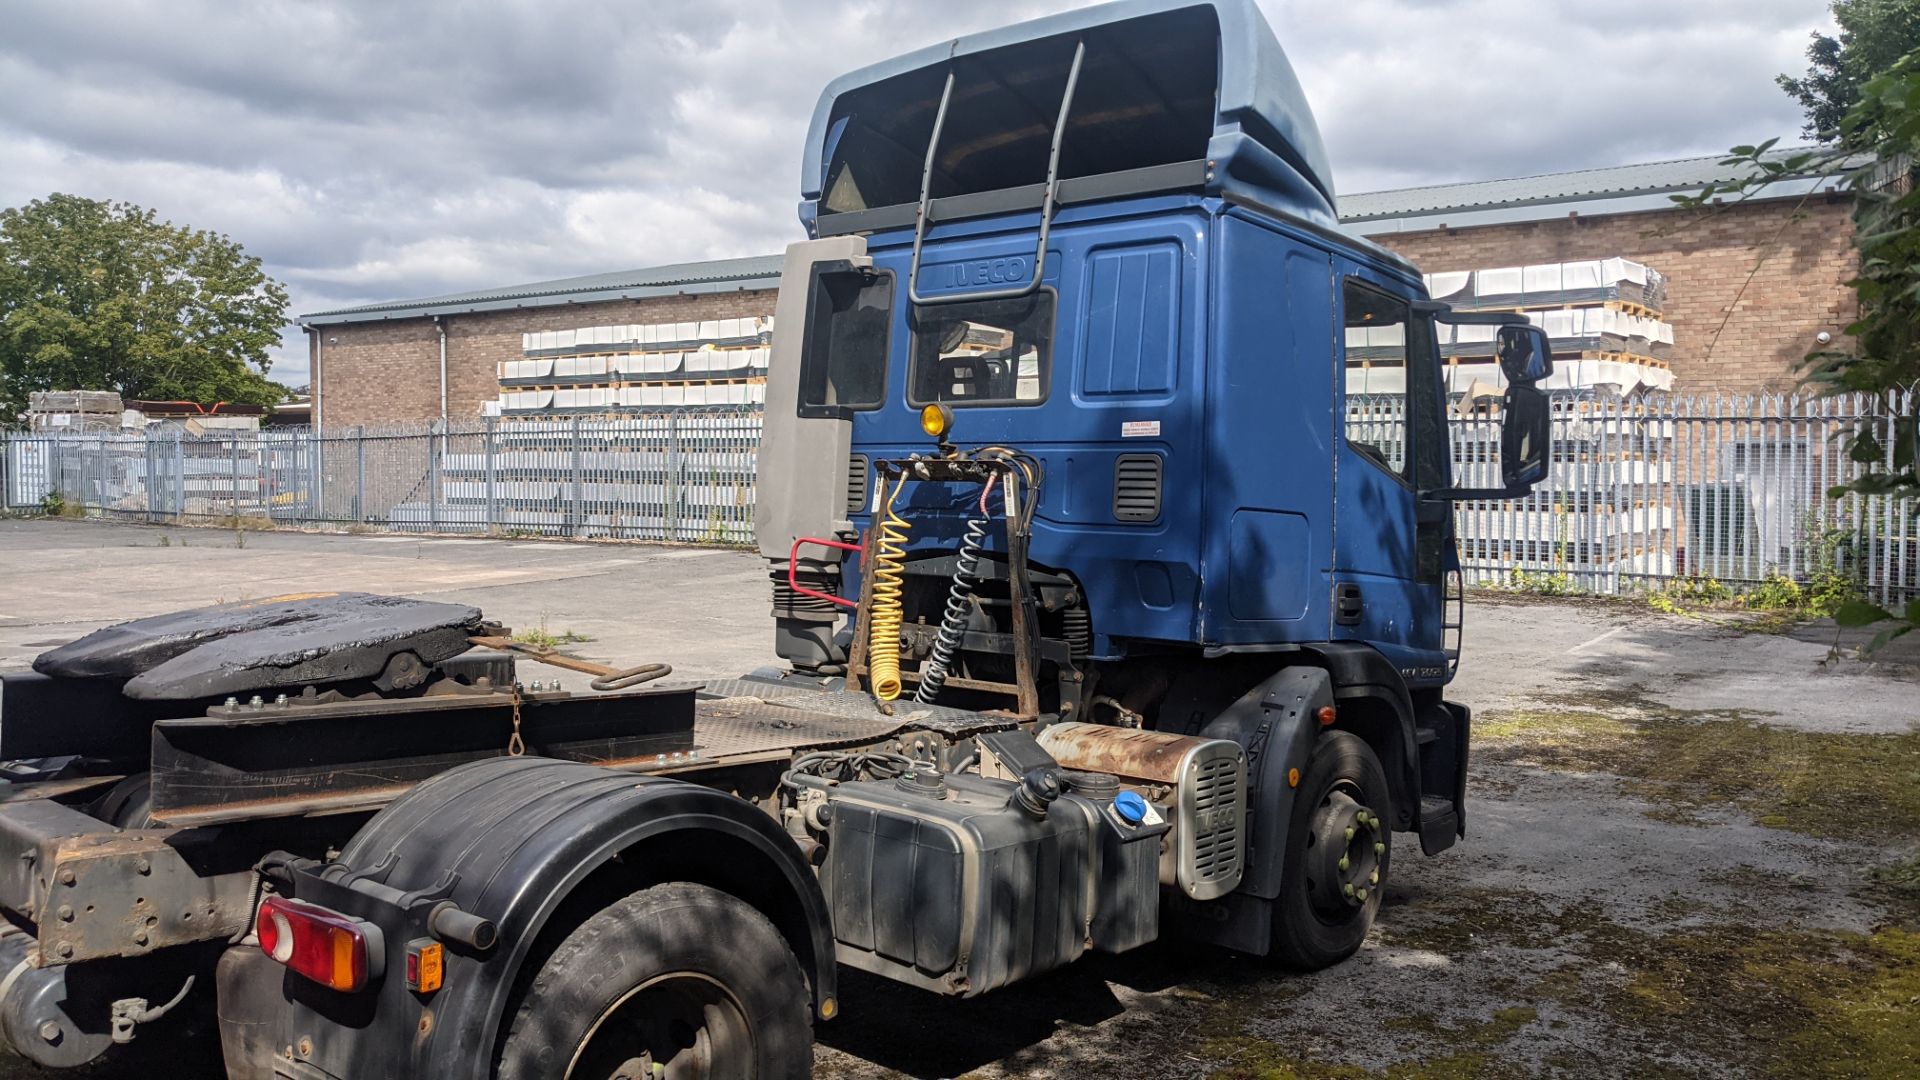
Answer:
(382, 149)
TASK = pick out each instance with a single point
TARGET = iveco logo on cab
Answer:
(1009, 271)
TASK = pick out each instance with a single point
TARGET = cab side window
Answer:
(1377, 328)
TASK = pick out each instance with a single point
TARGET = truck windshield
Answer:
(994, 352)
(844, 365)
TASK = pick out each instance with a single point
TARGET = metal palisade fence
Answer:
(1644, 490)
(682, 476)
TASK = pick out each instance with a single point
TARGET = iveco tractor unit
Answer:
(1110, 610)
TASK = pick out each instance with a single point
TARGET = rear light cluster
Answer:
(334, 950)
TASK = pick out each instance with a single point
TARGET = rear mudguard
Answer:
(510, 840)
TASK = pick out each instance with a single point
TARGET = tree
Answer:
(1877, 144)
(1874, 35)
(103, 296)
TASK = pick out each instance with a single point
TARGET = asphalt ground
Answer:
(1693, 847)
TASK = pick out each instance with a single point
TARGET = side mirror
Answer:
(1526, 437)
(1526, 356)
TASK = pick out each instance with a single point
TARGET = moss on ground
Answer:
(1469, 1056)
(1765, 1001)
(1816, 1004)
(1825, 784)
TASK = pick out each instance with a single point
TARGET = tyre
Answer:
(1338, 847)
(678, 981)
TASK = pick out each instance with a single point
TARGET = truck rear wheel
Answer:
(1338, 847)
(680, 981)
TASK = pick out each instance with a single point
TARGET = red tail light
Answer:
(334, 950)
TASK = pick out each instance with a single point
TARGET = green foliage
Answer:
(1858, 613)
(1876, 143)
(1697, 589)
(1539, 583)
(1828, 585)
(541, 638)
(1874, 35)
(1833, 577)
(53, 504)
(104, 296)
(1776, 592)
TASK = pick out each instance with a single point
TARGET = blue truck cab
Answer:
(1095, 258)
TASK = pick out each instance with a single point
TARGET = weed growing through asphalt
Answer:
(541, 638)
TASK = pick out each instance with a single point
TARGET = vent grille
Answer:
(857, 470)
(1216, 797)
(1213, 827)
(1136, 487)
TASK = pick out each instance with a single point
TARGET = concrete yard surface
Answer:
(1693, 850)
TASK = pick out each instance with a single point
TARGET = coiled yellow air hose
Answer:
(889, 575)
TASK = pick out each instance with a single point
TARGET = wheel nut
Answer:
(1345, 862)
(1379, 848)
(1350, 832)
(1349, 889)
(50, 1031)
(1373, 878)
(1362, 894)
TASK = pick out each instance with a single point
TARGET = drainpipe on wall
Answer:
(441, 322)
(313, 376)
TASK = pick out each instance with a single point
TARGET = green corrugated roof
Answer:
(720, 275)
(1618, 181)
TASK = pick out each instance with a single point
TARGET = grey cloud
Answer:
(370, 150)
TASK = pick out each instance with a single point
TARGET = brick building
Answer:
(384, 363)
(1749, 289)
(1749, 286)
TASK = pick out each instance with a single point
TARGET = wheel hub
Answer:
(1349, 846)
(681, 1026)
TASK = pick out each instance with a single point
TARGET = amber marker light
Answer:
(936, 420)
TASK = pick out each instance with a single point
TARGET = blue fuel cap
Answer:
(1131, 807)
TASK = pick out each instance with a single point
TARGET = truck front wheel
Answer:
(678, 981)
(1338, 846)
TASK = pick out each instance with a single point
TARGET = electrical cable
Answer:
(889, 580)
(959, 612)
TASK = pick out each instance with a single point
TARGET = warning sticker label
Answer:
(1139, 429)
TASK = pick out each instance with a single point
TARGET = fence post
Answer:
(433, 477)
(153, 479)
(179, 478)
(675, 486)
(360, 473)
(233, 476)
(488, 443)
(316, 461)
(573, 505)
